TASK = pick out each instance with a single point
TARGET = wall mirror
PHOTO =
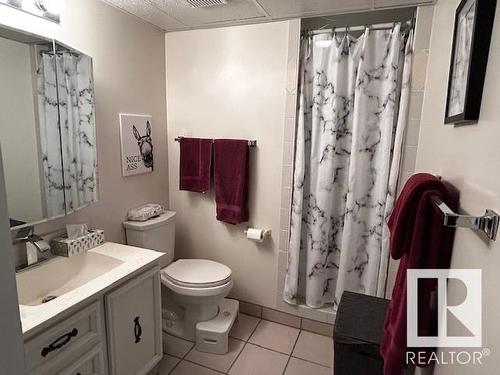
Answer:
(47, 128)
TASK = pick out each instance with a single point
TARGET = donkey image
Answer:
(145, 145)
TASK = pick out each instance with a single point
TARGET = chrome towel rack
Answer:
(251, 143)
(488, 223)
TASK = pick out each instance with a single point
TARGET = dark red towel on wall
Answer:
(231, 180)
(420, 240)
(195, 164)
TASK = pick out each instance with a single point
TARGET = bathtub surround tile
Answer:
(290, 105)
(288, 153)
(423, 27)
(283, 245)
(167, 364)
(280, 317)
(244, 327)
(409, 159)
(284, 219)
(250, 309)
(286, 178)
(300, 367)
(286, 194)
(317, 327)
(217, 362)
(412, 133)
(416, 101)
(419, 69)
(314, 348)
(188, 368)
(176, 346)
(275, 336)
(255, 360)
(289, 131)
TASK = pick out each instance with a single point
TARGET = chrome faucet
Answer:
(37, 249)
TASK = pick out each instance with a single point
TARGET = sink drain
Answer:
(48, 299)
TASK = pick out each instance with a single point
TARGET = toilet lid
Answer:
(198, 273)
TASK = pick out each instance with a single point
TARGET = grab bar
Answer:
(488, 223)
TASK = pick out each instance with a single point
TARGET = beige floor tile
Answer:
(275, 336)
(167, 364)
(255, 360)
(176, 346)
(315, 348)
(217, 361)
(188, 368)
(244, 326)
(299, 367)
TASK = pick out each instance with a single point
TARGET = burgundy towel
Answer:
(231, 180)
(195, 164)
(420, 240)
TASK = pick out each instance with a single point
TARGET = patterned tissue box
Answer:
(68, 247)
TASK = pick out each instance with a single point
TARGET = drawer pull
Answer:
(137, 330)
(60, 342)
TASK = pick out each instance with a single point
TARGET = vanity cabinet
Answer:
(133, 314)
(119, 333)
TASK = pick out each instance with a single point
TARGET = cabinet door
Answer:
(133, 314)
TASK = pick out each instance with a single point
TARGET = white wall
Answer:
(18, 133)
(129, 75)
(469, 158)
(223, 83)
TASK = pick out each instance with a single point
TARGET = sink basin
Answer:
(60, 275)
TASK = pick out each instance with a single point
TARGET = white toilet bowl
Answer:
(197, 286)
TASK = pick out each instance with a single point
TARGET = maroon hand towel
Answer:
(231, 180)
(195, 164)
(420, 240)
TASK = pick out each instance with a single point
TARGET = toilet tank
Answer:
(155, 234)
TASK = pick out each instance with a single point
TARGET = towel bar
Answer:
(488, 223)
(251, 143)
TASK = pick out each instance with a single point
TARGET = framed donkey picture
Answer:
(136, 144)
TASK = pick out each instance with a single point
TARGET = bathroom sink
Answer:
(60, 275)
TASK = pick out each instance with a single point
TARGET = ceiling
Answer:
(176, 15)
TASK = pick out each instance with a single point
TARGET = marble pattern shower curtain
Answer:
(68, 151)
(78, 136)
(353, 105)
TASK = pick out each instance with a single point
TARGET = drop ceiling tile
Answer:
(234, 10)
(290, 8)
(149, 13)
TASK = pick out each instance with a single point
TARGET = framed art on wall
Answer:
(469, 58)
(136, 144)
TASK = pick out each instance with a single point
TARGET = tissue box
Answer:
(68, 247)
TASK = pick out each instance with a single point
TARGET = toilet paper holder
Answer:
(265, 233)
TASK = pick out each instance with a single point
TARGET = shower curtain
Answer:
(353, 104)
(71, 144)
(50, 144)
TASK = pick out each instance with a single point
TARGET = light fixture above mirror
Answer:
(48, 9)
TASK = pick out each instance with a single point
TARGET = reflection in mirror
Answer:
(47, 128)
(77, 117)
(20, 131)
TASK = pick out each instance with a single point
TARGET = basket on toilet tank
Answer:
(157, 233)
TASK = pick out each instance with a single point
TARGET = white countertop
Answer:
(34, 318)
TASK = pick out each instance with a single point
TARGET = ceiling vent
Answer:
(205, 3)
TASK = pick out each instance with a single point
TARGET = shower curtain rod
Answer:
(343, 29)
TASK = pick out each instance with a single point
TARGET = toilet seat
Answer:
(188, 275)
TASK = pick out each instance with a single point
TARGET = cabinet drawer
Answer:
(133, 317)
(91, 363)
(65, 339)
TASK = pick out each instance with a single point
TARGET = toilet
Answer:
(194, 290)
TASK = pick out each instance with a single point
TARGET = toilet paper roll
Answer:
(255, 234)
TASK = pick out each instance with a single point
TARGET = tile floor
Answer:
(256, 347)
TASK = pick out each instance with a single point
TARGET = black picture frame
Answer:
(484, 16)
